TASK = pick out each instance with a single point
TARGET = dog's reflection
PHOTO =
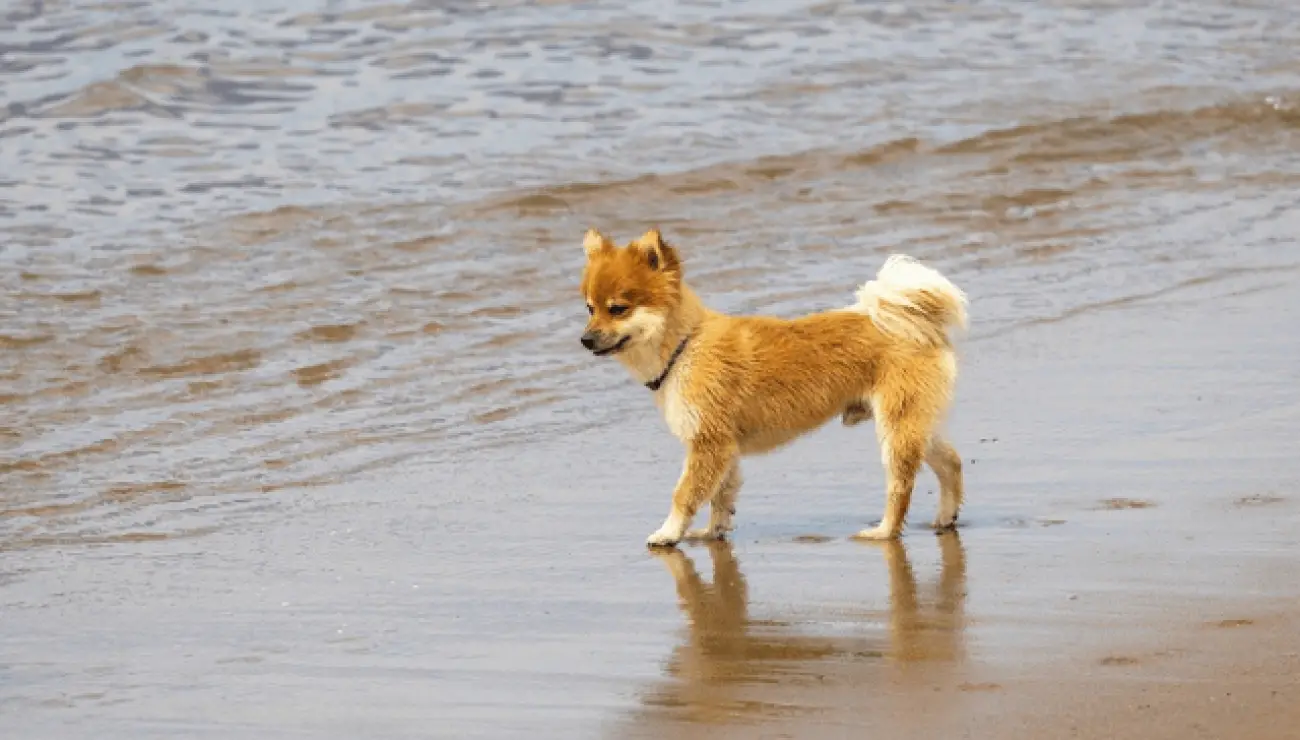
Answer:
(921, 630)
(732, 666)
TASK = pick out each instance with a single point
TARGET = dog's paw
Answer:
(663, 537)
(704, 535)
(942, 524)
(875, 534)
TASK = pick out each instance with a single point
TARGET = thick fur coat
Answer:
(730, 386)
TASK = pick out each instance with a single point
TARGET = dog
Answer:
(733, 386)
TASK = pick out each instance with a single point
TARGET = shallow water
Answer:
(293, 417)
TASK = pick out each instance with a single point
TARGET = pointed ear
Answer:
(594, 242)
(652, 246)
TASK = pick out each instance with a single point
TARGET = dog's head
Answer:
(630, 291)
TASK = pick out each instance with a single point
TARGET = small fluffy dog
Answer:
(730, 386)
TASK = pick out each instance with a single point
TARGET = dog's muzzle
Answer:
(599, 344)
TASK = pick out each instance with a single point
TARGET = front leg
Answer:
(722, 508)
(708, 460)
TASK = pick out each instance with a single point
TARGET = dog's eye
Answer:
(617, 310)
(590, 310)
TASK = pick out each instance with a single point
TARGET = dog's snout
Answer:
(589, 340)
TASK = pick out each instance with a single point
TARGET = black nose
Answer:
(589, 340)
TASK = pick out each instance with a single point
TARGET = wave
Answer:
(1085, 138)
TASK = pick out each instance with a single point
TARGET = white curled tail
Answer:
(912, 302)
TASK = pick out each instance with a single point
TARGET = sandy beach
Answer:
(1149, 594)
(1125, 574)
(297, 439)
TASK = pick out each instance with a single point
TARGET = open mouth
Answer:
(611, 349)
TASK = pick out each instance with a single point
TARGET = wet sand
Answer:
(1125, 569)
(1149, 591)
(1229, 678)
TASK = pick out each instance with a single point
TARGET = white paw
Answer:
(663, 537)
(942, 524)
(875, 534)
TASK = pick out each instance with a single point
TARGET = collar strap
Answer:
(672, 360)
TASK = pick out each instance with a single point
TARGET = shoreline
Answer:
(1149, 590)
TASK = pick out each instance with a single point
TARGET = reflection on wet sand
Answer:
(920, 631)
(734, 669)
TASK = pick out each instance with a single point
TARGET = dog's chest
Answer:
(683, 418)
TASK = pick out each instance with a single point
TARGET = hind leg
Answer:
(903, 437)
(722, 507)
(946, 463)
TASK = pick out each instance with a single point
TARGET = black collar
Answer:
(672, 360)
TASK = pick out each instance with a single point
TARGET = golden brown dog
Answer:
(730, 386)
